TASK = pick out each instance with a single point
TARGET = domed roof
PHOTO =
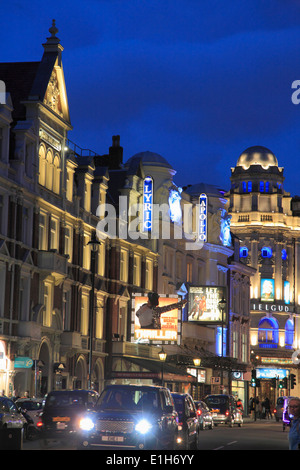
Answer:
(148, 159)
(257, 155)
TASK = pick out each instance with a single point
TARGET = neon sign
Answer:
(147, 204)
(203, 217)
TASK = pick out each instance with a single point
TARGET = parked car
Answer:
(31, 409)
(62, 412)
(131, 417)
(224, 410)
(204, 415)
(12, 424)
(188, 424)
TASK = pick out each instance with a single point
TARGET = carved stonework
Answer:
(52, 96)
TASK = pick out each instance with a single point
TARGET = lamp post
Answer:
(162, 357)
(197, 362)
(222, 306)
(94, 243)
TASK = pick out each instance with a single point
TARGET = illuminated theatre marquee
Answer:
(147, 204)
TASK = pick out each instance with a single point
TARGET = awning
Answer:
(153, 370)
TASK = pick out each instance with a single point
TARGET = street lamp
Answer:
(94, 243)
(197, 362)
(162, 357)
(222, 306)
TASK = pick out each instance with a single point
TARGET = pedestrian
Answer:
(256, 408)
(239, 405)
(294, 434)
(267, 408)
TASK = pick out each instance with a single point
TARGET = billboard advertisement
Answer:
(156, 325)
(267, 290)
(204, 304)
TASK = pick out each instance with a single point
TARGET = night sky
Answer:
(196, 81)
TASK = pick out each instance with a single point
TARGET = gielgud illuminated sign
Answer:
(204, 304)
(155, 325)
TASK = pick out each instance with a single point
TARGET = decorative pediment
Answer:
(53, 94)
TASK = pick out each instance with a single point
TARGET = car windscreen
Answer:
(63, 400)
(217, 402)
(134, 399)
(30, 405)
(179, 404)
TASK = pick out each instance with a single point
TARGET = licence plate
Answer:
(113, 438)
(61, 425)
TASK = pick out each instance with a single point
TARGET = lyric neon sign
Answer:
(147, 204)
(202, 217)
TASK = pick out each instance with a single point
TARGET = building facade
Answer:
(264, 220)
(67, 305)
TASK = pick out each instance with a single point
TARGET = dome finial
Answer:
(53, 30)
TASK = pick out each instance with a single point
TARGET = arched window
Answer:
(49, 169)
(289, 334)
(268, 334)
(56, 174)
(42, 165)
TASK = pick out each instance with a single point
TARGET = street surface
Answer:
(258, 435)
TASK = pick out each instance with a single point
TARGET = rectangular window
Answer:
(84, 321)
(137, 270)
(43, 239)
(149, 275)
(54, 233)
(124, 265)
(189, 271)
(69, 242)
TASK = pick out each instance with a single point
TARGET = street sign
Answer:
(23, 363)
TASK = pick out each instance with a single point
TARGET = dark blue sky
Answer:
(197, 81)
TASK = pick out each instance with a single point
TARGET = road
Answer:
(259, 435)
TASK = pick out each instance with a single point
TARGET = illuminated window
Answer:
(284, 254)
(243, 252)
(261, 186)
(136, 270)
(266, 252)
(268, 333)
(43, 239)
(244, 185)
(249, 186)
(149, 275)
(289, 334)
(267, 187)
(189, 271)
(84, 320)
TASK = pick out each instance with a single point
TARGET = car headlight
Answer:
(143, 426)
(86, 424)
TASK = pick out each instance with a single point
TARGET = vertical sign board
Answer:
(202, 217)
(147, 204)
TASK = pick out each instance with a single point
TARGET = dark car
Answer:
(62, 412)
(224, 410)
(131, 417)
(204, 415)
(188, 424)
(12, 425)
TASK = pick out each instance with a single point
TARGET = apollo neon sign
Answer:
(147, 204)
(202, 217)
